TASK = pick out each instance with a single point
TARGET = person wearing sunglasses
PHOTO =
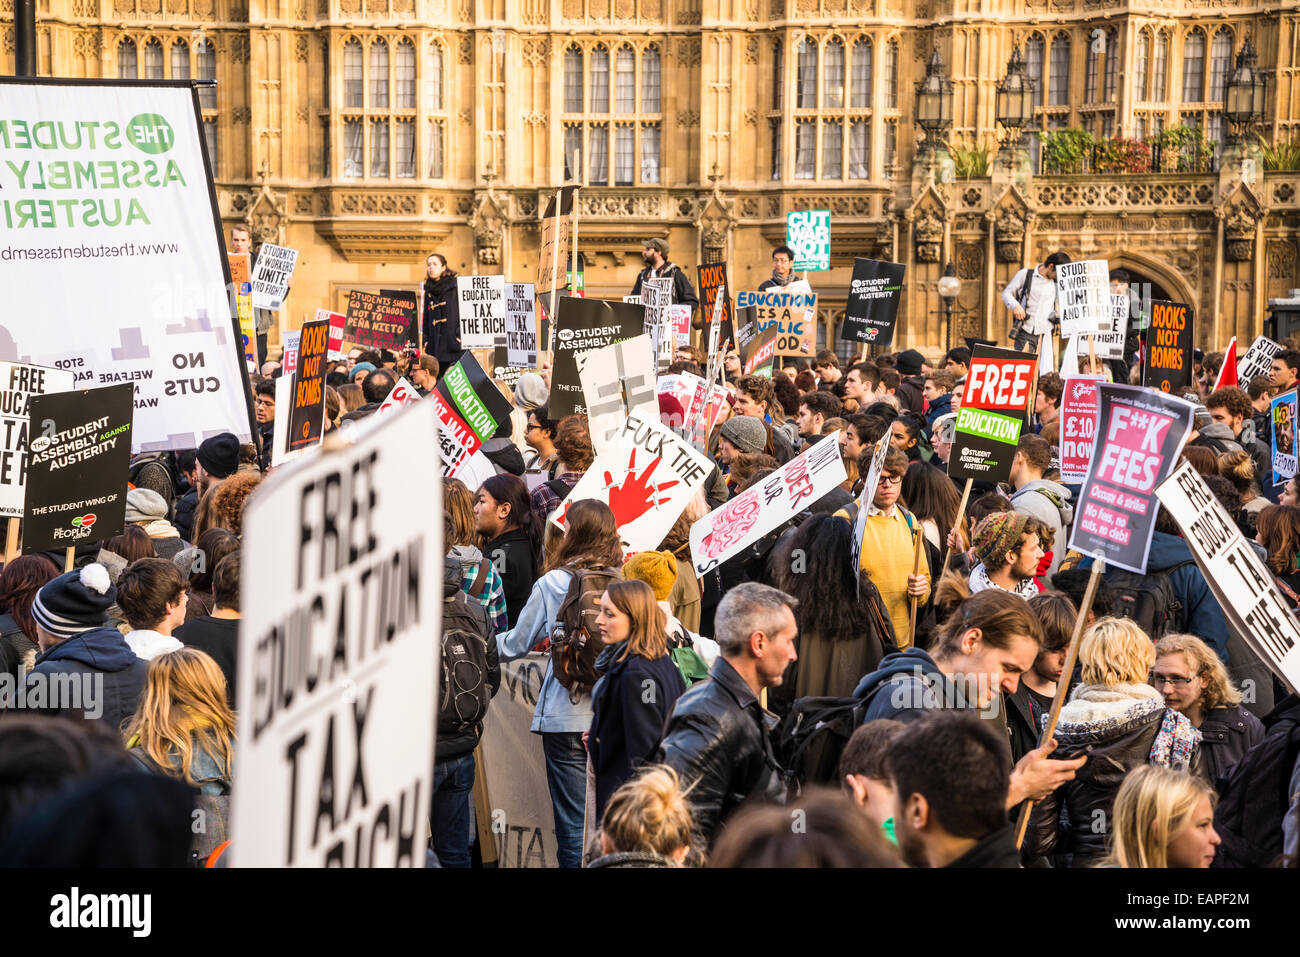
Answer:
(1195, 682)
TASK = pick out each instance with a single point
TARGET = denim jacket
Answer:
(554, 711)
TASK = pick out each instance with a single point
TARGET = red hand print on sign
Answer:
(636, 496)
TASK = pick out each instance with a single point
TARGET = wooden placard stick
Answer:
(961, 510)
(11, 540)
(1063, 685)
(919, 533)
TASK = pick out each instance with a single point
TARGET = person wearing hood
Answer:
(938, 395)
(502, 452)
(482, 581)
(638, 687)
(1040, 498)
(71, 615)
(1213, 434)
(148, 509)
(912, 368)
(152, 596)
(1120, 722)
(979, 652)
(782, 270)
(441, 312)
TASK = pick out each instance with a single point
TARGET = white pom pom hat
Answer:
(75, 602)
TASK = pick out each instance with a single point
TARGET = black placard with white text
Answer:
(874, 294)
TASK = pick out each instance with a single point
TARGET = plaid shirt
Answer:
(493, 598)
(546, 501)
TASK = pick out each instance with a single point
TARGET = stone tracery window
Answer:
(628, 154)
(381, 120)
(127, 60)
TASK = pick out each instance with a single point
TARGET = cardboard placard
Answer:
(757, 349)
(657, 297)
(1078, 426)
(502, 370)
(1282, 410)
(1258, 360)
(553, 255)
(618, 381)
(1244, 586)
(18, 384)
(1083, 297)
(792, 313)
(1109, 344)
(78, 453)
(680, 313)
(874, 295)
(1139, 435)
(713, 283)
(280, 452)
(736, 525)
(994, 411)
(582, 325)
(482, 310)
(382, 320)
(647, 476)
(337, 322)
(272, 275)
(521, 325)
(338, 693)
(307, 416)
(1167, 359)
(242, 286)
(289, 360)
(808, 233)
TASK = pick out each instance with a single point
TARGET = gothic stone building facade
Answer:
(368, 133)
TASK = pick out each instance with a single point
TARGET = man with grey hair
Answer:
(718, 738)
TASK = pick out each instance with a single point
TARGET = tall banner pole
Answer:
(555, 269)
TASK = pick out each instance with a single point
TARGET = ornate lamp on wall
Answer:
(1015, 101)
(1244, 100)
(934, 101)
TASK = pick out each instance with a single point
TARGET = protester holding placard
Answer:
(591, 541)
(655, 256)
(1031, 298)
(889, 547)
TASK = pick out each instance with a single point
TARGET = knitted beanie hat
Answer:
(997, 534)
(145, 505)
(746, 433)
(909, 362)
(219, 455)
(360, 367)
(656, 569)
(74, 602)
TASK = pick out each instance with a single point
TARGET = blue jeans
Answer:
(566, 777)
(453, 780)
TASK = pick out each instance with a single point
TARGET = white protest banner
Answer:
(402, 393)
(521, 326)
(868, 495)
(617, 380)
(337, 322)
(632, 300)
(272, 274)
(681, 323)
(514, 769)
(1258, 360)
(283, 411)
(114, 266)
(690, 391)
(289, 361)
(1243, 585)
(338, 694)
(18, 383)
(657, 295)
(647, 475)
(1083, 297)
(1109, 344)
(482, 310)
(753, 513)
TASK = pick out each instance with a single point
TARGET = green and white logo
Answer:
(150, 133)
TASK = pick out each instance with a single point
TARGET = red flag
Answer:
(1228, 372)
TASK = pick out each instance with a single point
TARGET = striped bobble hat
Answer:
(75, 602)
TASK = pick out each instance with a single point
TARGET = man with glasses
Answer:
(888, 546)
(264, 409)
(1031, 297)
(540, 436)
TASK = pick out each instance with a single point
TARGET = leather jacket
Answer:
(1114, 746)
(718, 740)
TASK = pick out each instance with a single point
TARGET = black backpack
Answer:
(811, 738)
(1148, 599)
(1254, 795)
(463, 692)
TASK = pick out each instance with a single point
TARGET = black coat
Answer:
(1227, 733)
(718, 740)
(625, 726)
(99, 652)
(518, 568)
(993, 850)
(683, 291)
(185, 508)
(441, 330)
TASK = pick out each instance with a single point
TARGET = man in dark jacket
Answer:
(441, 312)
(782, 270)
(85, 669)
(912, 367)
(453, 769)
(374, 389)
(657, 266)
(951, 773)
(718, 738)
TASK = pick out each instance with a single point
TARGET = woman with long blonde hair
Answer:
(640, 684)
(184, 727)
(1162, 818)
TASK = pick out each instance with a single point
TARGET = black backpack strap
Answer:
(560, 488)
(480, 580)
